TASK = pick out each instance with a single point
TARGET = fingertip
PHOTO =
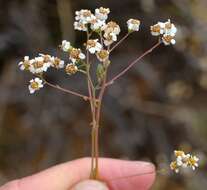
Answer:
(129, 175)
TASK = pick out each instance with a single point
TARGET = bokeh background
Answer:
(159, 106)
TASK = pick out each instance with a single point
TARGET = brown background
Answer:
(159, 106)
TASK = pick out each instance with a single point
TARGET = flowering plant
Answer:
(100, 38)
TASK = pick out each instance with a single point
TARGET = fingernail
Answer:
(90, 185)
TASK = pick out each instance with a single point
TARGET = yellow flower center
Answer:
(56, 62)
(173, 165)
(91, 43)
(87, 13)
(26, 65)
(38, 64)
(167, 38)
(35, 85)
(168, 25)
(133, 21)
(103, 54)
(179, 153)
(103, 10)
(155, 28)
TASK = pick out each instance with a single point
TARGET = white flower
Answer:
(76, 55)
(133, 24)
(157, 29)
(112, 27)
(168, 39)
(93, 46)
(39, 65)
(111, 30)
(193, 162)
(169, 28)
(97, 24)
(57, 63)
(102, 13)
(84, 16)
(35, 84)
(80, 26)
(25, 65)
(71, 68)
(65, 45)
(174, 166)
(109, 38)
(46, 58)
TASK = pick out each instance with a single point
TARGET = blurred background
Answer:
(157, 107)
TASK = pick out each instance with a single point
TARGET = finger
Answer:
(113, 172)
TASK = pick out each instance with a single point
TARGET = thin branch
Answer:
(120, 41)
(132, 64)
(67, 91)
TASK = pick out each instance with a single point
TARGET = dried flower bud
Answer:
(71, 69)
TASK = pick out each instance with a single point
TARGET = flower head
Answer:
(57, 63)
(93, 46)
(84, 16)
(193, 162)
(71, 68)
(76, 55)
(102, 13)
(40, 64)
(65, 45)
(80, 26)
(97, 25)
(168, 39)
(174, 166)
(169, 28)
(133, 25)
(35, 84)
(157, 29)
(111, 30)
(25, 64)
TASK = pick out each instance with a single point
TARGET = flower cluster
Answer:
(111, 31)
(42, 63)
(92, 23)
(167, 30)
(183, 161)
(85, 19)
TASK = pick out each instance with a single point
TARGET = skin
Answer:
(116, 175)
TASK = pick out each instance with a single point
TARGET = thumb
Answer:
(90, 185)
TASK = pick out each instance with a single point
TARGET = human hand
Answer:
(118, 174)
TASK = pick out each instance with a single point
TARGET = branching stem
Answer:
(132, 64)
